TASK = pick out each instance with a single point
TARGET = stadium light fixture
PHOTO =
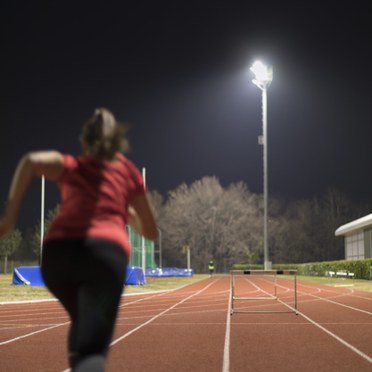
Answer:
(263, 74)
(263, 78)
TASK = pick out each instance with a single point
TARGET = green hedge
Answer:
(361, 268)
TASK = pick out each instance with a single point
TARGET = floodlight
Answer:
(263, 74)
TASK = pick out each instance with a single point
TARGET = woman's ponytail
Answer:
(103, 135)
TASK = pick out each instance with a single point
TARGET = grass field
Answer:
(359, 284)
(10, 292)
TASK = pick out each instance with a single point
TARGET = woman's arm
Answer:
(141, 218)
(47, 163)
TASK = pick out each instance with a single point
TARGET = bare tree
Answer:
(292, 233)
(157, 204)
(9, 244)
(303, 230)
(216, 223)
(225, 224)
(337, 209)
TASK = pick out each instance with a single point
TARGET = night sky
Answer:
(178, 72)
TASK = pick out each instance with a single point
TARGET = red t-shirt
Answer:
(94, 199)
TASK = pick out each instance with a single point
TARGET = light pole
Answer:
(142, 237)
(42, 222)
(263, 78)
(160, 252)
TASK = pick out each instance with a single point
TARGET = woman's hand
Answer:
(9, 219)
(47, 163)
(141, 218)
(134, 220)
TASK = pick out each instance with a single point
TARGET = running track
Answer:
(190, 329)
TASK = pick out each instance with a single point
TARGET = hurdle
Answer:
(267, 296)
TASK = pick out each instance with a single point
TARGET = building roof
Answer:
(355, 225)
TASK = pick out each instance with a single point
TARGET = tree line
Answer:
(226, 224)
(25, 246)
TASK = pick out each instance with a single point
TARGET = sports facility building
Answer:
(357, 237)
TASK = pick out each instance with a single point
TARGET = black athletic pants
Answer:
(87, 276)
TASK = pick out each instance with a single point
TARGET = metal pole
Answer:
(142, 238)
(265, 176)
(42, 215)
(263, 78)
(160, 252)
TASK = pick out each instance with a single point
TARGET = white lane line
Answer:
(153, 318)
(343, 305)
(339, 339)
(45, 329)
(335, 302)
(226, 349)
(159, 315)
(32, 333)
(27, 301)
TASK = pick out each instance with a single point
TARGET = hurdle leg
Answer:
(232, 285)
(295, 292)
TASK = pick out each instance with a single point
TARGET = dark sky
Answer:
(179, 73)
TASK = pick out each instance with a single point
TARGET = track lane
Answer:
(192, 333)
(183, 338)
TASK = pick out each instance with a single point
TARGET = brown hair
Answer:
(103, 135)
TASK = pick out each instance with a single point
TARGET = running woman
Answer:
(86, 249)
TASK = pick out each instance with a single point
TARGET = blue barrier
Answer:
(134, 275)
(31, 275)
(168, 271)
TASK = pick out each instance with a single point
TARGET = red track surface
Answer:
(190, 329)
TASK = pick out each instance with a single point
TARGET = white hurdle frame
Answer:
(274, 273)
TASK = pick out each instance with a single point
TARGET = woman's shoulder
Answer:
(121, 158)
(128, 165)
(69, 160)
(81, 162)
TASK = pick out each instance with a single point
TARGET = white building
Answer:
(358, 238)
